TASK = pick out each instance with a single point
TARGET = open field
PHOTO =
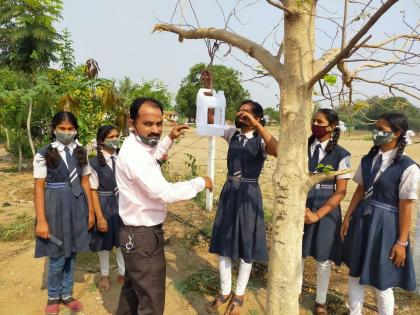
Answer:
(191, 277)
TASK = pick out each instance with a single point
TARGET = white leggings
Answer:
(384, 299)
(323, 271)
(104, 262)
(225, 269)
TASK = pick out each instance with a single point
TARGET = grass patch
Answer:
(23, 227)
(89, 262)
(203, 281)
(6, 204)
(268, 215)
(11, 169)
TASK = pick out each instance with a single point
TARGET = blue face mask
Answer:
(381, 137)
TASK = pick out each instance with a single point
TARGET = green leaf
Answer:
(330, 79)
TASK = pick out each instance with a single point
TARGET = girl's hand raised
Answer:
(248, 118)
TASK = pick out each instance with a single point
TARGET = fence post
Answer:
(210, 171)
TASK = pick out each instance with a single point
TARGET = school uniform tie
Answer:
(313, 161)
(74, 177)
(375, 170)
(369, 191)
(113, 163)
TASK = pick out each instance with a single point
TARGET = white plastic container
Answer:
(206, 104)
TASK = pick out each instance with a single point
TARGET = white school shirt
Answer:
(409, 178)
(343, 165)
(230, 132)
(93, 178)
(143, 191)
(40, 165)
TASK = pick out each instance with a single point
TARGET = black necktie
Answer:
(375, 169)
(113, 163)
(74, 177)
(313, 161)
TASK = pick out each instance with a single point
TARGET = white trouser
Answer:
(384, 299)
(225, 270)
(104, 262)
(323, 271)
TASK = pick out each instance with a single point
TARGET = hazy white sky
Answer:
(118, 34)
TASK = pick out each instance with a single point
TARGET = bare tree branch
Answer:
(344, 53)
(279, 4)
(393, 86)
(262, 55)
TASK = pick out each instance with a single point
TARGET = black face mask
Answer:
(238, 123)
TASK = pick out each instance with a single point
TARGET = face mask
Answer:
(150, 141)
(65, 138)
(319, 131)
(238, 123)
(381, 137)
(112, 144)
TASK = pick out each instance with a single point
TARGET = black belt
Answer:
(134, 229)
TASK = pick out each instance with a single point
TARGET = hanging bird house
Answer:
(211, 106)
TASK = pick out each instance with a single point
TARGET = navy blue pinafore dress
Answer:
(322, 240)
(67, 215)
(374, 230)
(239, 229)
(108, 198)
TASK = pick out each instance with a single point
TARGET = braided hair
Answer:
(52, 158)
(333, 119)
(397, 122)
(101, 135)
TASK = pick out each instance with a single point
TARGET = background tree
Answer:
(224, 78)
(28, 40)
(295, 67)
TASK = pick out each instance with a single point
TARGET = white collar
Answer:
(248, 135)
(323, 144)
(108, 156)
(60, 147)
(388, 155)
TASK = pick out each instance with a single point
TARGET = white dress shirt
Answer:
(40, 165)
(93, 178)
(409, 178)
(343, 165)
(143, 189)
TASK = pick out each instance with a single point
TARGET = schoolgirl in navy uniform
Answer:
(239, 228)
(321, 238)
(377, 223)
(64, 210)
(105, 201)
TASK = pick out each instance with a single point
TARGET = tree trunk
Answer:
(20, 158)
(290, 177)
(28, 128)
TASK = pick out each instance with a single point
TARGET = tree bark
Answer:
(20, 158)
(290, 177)
(28, 128)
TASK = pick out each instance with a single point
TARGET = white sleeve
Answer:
(40, 166)
(228, 133)
(163, 147)
(93, 179)
(344, 165)
(409, 182)
(149, 176)
(358, 177)
(86, 169)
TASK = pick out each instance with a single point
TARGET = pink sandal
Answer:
(52, 307)
(73, 304)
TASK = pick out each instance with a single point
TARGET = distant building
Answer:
(170, 116)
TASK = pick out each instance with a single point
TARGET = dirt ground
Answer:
(21, 276)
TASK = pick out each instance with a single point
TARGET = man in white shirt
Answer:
(143, 192)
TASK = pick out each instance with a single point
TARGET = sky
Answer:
(118, 34)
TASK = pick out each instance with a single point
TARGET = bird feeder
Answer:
(211, 106)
